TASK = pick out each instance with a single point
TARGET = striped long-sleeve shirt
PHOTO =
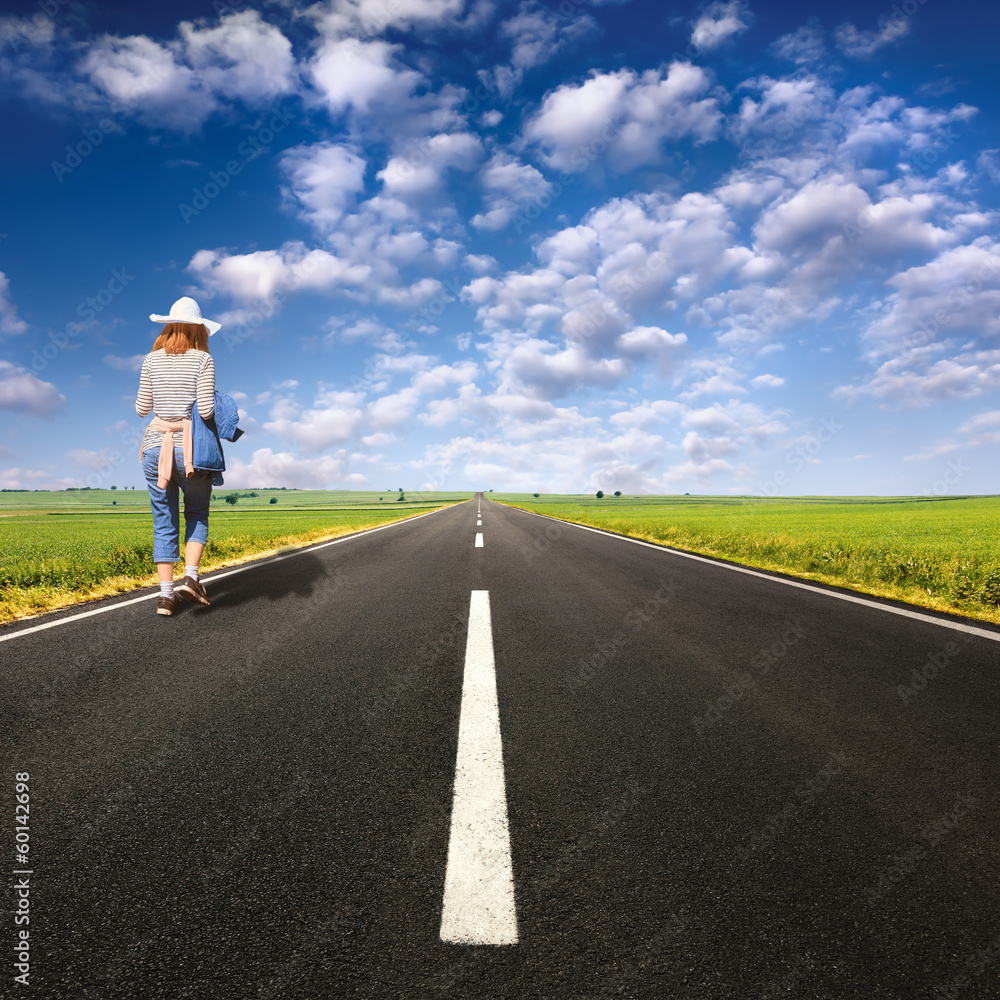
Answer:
(169, 384)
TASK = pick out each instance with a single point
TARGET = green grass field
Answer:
(61, 548)
(941, 553)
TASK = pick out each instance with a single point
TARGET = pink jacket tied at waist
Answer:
(166, 467)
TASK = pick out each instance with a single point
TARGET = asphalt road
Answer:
(718, 785)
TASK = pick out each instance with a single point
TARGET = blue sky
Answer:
(739, 247)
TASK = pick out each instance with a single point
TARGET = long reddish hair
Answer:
(177, 338)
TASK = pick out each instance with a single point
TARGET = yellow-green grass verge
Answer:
(59, 563)
(942, 554)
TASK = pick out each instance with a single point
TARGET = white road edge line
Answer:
(478, 905)
(214, 576)
(479, 539)
(957, 626)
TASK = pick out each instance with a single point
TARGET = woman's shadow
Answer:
(298, 575)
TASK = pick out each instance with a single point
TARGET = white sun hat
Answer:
(186, 310)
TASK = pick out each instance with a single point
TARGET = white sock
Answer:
(191, 571)
(166, 588)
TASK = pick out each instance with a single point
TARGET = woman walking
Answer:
(177, 374)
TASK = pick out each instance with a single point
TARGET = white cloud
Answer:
(422, 170)
(132, 364)
(933, 451)
(262, 274)
(242, 57)
(21, 391)
(368, 18)
(646, 413)
(480, 263)
(10, 322)
(178, 85)
(864, 44)
(904, 383)
(803, 46)
(539, 369)
(651, 345)
(767, 382)
(325, 178)
(629, 115)
(988, 163)
(508, 185)
(355, 74)
(335, 418)
(981, 422)
(536, 33)
(269, 468)
(33, 479)
(938, 334)
(719, 22)
(384, 97)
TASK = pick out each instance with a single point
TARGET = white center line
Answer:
(479, 879)
(479, 522)
(479, 539)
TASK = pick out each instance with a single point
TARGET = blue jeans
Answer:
(165, 504)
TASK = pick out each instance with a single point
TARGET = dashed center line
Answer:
(478, 903)
(479, 539)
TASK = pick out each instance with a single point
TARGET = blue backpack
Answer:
(206, 434)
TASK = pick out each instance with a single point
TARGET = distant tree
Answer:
(491, 491)
(273, 500)
(534, 494)
(232, 498)
(114, 487)
(618, 493)
(402, 496)
(251, 494)
(600, 494)
(114, 503)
